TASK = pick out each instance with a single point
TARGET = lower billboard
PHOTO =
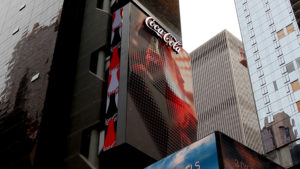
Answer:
(216, 151)
(201, 154)
(237, 156)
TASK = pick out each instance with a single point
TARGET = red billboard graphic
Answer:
(113, 81)
(160, 87)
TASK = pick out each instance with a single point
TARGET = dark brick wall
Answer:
(27, 41)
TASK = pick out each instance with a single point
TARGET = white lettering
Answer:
(197, 164)
(167, 37)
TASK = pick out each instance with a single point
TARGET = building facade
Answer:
(271, 37)
(60, 67)
(28, 34)
(223, 96)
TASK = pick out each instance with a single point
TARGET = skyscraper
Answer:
(271, 38)
(223, 96)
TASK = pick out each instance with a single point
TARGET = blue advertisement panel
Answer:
(201, 154)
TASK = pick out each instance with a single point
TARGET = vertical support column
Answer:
(101, 64)
(93, 150)
(106, 5)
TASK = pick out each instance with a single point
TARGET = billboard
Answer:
(237, 156)
(201, 154)
(160, 106)
(111, 111)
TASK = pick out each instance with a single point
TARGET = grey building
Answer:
(271, 37)
(222, 91)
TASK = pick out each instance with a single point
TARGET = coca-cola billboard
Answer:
(160, 106)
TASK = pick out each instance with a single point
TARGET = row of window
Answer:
(288, 68)
(290, 96)
(289, 29)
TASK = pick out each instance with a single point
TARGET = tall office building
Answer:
(223, 96)
(271, 38)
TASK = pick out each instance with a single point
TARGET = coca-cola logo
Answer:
(161, 33)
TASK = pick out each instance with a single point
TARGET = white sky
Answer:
(203, 19)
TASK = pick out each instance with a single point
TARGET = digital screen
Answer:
(201, 154)
(237, 156)
(111, 111)
(160, 94)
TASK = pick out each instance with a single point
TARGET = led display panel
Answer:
(237, 156)
(160, 106)
(201, 154)
(111, 111)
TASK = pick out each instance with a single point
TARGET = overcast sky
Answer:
(203, 19)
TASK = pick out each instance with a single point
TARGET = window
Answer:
(260, 73)
(248, 19)
(286, 78)
(278, 52)
(262, 81)
(298, 62)
(270, 20)
(267, 7)
(275, 85)
(104, 5)
(283, 70)
(266, 99)
(272, 27)
(290, 28)
(258, 64)
(256, 57)
(100, 4)
(264, 90)
(273, 37)
(22, 7)
(285, 134)
(291, 98)
(97, 63)
(250, 26)
(295, 85)
(270, 118)
(15, 31)
(269, 110)
(280, 34)
(255, 48)
(245, 7)
(253, 41)
(281, 60)
(276, 44)
(287, 89)
(91, 142)
(290, 67)
(298, 105)
(251, 33)
(247, 13)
